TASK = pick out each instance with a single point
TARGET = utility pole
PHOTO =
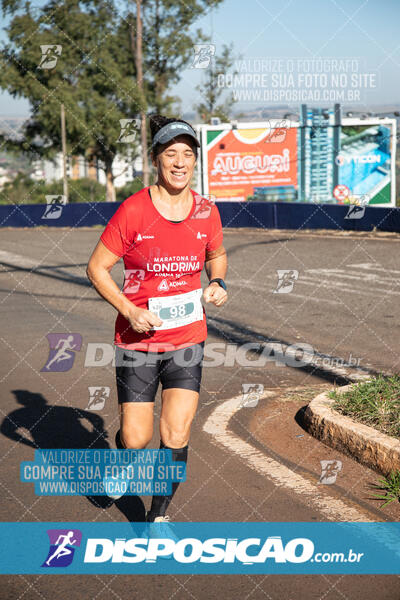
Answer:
(139, 75)
(64, 152)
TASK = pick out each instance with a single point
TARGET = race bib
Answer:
(178, 310)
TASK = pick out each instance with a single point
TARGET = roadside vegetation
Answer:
(24, 190)
(375, 403)
(389, 488)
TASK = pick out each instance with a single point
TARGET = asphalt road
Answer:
(342, 306)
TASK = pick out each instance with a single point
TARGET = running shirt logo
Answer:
(63, 543)
(175, 265)
(62, 351)
(165, 285)
(141, 237)
(201, 235)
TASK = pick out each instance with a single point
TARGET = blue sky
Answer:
(362, 30)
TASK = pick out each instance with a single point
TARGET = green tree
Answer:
(213, 103)
(95, 73)
(93, 77)
(168, 45)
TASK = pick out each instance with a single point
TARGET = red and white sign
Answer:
(239, 160)
(341, 192)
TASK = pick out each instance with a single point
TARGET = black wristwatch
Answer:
(220, 282)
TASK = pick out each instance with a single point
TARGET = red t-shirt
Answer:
(161, 259)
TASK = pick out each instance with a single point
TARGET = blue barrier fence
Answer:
(269, 215)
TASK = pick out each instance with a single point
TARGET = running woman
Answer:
(165, 234)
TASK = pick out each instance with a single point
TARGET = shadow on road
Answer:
(50, 271)
(54, 426)
(236, 249)
(234, 332)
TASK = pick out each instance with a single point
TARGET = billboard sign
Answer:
(366, 162)
(310, 161)
(243, 160)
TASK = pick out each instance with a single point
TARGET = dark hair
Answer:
(157, 122)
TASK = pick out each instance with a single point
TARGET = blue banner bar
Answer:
(200, 548)
(268, 215)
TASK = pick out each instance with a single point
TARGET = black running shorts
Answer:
(139, 373)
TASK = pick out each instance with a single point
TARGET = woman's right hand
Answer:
(142, 320)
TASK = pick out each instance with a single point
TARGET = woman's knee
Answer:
(174, 437)
(136, 428)
(133, 439)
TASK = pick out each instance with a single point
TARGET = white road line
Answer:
(363, 277)
(371, 291)
(374, 267)
(318, 300)
(16, 260)
(265, 288)
(310, 493)
(35, 266)
(328, 283)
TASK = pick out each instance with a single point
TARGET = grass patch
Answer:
(305, 394)
(375, 403)
(389, 488)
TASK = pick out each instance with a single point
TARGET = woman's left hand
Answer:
(216, 294)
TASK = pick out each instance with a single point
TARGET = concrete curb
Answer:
(368, 446)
